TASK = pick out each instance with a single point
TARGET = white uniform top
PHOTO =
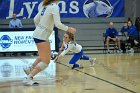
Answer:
(71, 46)
(45, 20)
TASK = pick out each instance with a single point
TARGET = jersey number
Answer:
(42, 13)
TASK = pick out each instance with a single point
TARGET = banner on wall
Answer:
(12, 69)
(20, 41)
(68, 8)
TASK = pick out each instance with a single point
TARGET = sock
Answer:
(29, 77)
(30, 68)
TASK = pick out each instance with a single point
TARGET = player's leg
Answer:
(117, 44)
(132, 44)
(107, 44)
(44, 53)
(75, 58)
(30, 68)
(91, 60)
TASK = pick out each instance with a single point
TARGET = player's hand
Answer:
(72, 30)
(60, 49)
(57, 59)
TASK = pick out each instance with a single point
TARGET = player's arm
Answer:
(62, 47)
(20, 24)
(107, 33)
(57, 21)
(65, 51)
(56, 17)
(10, 25)
(116, 33)
(37, 18)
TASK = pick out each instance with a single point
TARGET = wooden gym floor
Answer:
(112, 73)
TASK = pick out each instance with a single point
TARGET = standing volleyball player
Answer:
(70, 45)
(47, 17)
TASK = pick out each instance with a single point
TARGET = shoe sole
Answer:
(35, 84)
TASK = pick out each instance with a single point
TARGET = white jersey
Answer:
(71, 46)
(45, 20)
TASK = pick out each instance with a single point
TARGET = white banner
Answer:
(12, 69)
(20, 41)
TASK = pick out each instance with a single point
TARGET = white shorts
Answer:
(42, 33)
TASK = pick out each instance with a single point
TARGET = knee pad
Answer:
(42, 65)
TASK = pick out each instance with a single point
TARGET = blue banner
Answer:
(68, 8)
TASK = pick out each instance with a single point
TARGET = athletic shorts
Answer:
(38, 40)
(42, 33)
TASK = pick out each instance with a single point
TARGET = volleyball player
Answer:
(47, 17)
(70, 45)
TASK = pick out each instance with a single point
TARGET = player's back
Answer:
(46, 16)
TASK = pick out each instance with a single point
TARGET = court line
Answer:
(100, 79)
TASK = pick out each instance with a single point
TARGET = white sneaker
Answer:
(108, 52)
(77, 66)
(29, 82)
(119, 51)
(131, 50)
(136, 42)
(92, 61)
(27, 70)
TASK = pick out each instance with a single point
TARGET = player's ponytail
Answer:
(47, 2)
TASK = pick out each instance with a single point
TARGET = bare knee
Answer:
(117, 39)
(45, 59)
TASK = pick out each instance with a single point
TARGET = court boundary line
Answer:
(100, 79)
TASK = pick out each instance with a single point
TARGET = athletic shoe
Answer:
(75, 66)
(29, 82)
(136, 42)
(108, 52)
(92, 61)
(119, 51)
(27, 70)
(131, 50)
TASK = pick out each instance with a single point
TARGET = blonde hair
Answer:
(71, 36)
(47, 2)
